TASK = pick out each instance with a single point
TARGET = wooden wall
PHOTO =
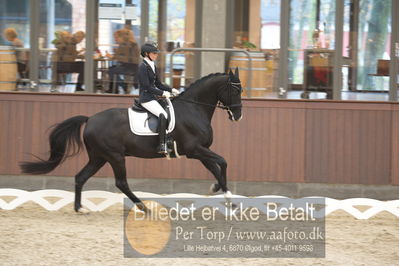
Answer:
(277, 140)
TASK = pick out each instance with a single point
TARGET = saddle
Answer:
(152, 120)
(144, 123)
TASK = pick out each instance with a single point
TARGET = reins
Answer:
(217, 105)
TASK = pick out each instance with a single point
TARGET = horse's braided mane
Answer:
(198, 82)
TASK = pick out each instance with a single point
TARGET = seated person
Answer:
(67, 54)
(22, 57)
(127, 56)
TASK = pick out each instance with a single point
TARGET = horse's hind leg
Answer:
(119, 168)
(94, 164)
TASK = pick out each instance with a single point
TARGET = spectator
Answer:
(22, 57)
(127, 56)
(67, 55)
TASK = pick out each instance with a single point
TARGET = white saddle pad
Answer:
(139, 124)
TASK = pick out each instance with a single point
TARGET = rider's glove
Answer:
(175, 92)
(166, 94)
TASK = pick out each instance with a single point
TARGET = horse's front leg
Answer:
(215, 169)
(216, 164)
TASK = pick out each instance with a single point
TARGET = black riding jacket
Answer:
(149, 83)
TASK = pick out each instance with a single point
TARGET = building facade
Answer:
(334, 49)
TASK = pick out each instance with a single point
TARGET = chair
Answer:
(128, 79)
(57, 78)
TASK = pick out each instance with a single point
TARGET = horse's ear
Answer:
(231, 75)
(236, 73)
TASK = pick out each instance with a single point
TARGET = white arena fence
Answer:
(108, 199)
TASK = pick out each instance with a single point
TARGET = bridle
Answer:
(228, 106)
(231, 86)
(219, 104)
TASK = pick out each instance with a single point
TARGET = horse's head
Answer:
(231, 96)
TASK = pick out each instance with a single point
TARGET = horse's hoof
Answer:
(142, 208)
(228, 195)
(83, 210)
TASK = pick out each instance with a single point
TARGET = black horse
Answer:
(108, 138)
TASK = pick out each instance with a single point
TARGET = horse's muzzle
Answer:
(232, 116)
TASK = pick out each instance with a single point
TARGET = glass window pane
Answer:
(14, 44)
(62, 45)
(176, 11)
(117, 54)
(311, 48)
(153, 21)
(374, 32)
(366, 49)
(270, 43)
(250, 19)
(270, 32)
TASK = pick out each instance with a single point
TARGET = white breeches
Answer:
(155, 108)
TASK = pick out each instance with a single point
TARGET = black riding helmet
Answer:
(148, 48)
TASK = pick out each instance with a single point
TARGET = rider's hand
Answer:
(175, 92)
(166, 94)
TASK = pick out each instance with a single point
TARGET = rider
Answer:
(150, 88)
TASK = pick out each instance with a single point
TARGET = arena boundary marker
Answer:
(109, 199)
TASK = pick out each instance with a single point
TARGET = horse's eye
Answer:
(236, 92)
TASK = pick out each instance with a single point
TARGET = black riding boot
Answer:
(162, 134)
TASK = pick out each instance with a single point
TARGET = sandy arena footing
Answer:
(31, 235)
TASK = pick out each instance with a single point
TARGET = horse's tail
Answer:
(63, 138)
